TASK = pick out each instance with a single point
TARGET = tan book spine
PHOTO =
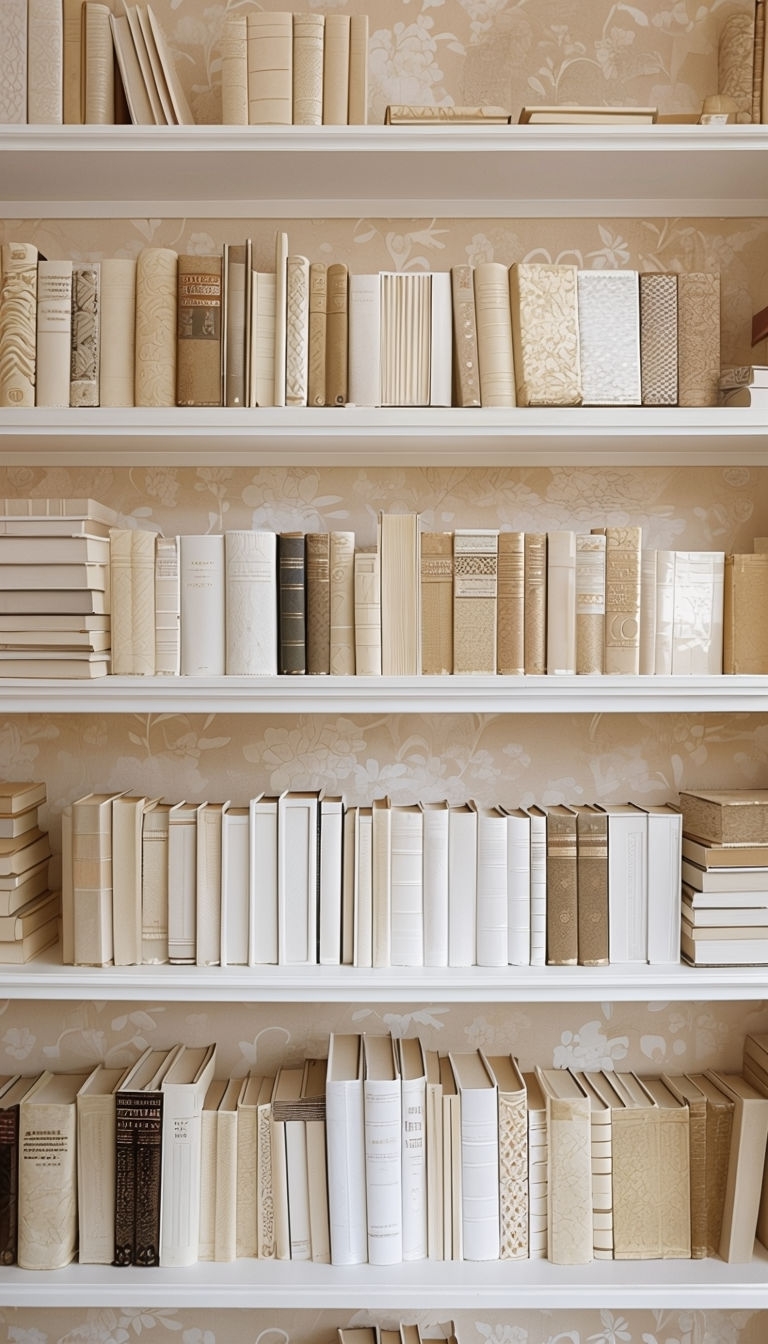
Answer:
(13, 43)
(400, 594)
(745, 599)
(658, 338)
(342, 604)
(270, 68)
(592, 886)
(54, 333)
(318, 603)
(45, 51)
(358, 70)
(735, 58)
(545, 334)
(561, 603)
(622, 600)
(494, 334)
(562, 887)
(535, 603)
(318, 333)
(590, 602)
(99, 71)
(199, 334)
(636, 1232)
(308, 36)
(511, 604)
(367, 614)
(336, 70)
(691, 1096)
(86, 334)
(337, 336)
(18, 324)
(118, 322)
(67, 893)
(436, 603)
(758, 61)
(466, 369)
(698, 326)
(121, 601)
(156, 302)
(236, 274)
(234, 71)
(281, 281)
(404, 114)
(475, 571)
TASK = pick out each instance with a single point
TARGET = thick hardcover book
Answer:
(602, 1166)
(399, 556)
(364, 340)
(562, 887)
(297, 836)
(698, 326)
(720, 1109)
(225, 1207)
(318, 332)
(726, 816)
(406, 892)
(609, 331)
(745, 598)
(435, 878)
(292, 656)
(54, 333)
(590, 602)
(182, 882)
(154, 890)
(510, 622)
(342, 604)
(128, 813)
(569, 1182)
(494, 334)
(545, 334)
(92, 879)
(513, 1158)
(202, 588)
(691, 1095)
(658, 338)
(296, 330)
(697, 613)
(383, 1150)
(367, 614)
(406, 308)
(308, 36)
(199, 334)
(156, 300)
(622, 599)
(627, 882)
(480, 1210)
(138, 1157)
(673, 1143)
(96, 1166)
(235, 275)
(412, 1065)
(744, 1183)
(117, 375)
(251, 603)
(336, 70)
(132, 599)
(535, 603)
(270, 68)
(358, 70)
(491, 909)
(664, 857)
(48, 1172)
(18, 324)
(336, 331)
(592, 885)
(475, 573)
(561, 603)
(234, 71)
(637, 1230)
(11, 1097)
(436, 603)
(345, 1134)
(98, 67)
(86, 333)
(518, 886)
(466, 372)
(536, 1107)
(318, 600)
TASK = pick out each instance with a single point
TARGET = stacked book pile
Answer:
(29, 911)
(744, 385)
(305, 879)
(215, 330)
(725, 877)
(383, 1153)
(55, 587)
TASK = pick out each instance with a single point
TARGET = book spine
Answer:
(342, 604)
(592, 887)
(658, 338)
(435, 884)
(562, 888)
(518, 890)
(18, 324)
(510, 656)
(263, 337)
(475, 565)
(199, 331)
(363, 887)
(92, 882)
(47, 1196)
(45, 50)
(479, 1174)
(292, 657)
(148, 1140)
(407, 896)
(86, 332)
(569, 1182)
(358, 70)
(318, 603)
(336, 70)
(270, 68)
(665, 600)
(308, 35)
(319, 1227)
(233, 270)
(492, 906)
(143, 601)
(513, 1178)
(265, 1198)
(98, 75)
(538, 1193)
(13, 44)
(208, 884)
(440, 342)
(154, 906)
(331, 841)
(698, 327)
(697, 628)
(346, 1150)
(367, 614)
(234, 72)
(118, 323)
(610, 369)
(590, 603)
(535, 603)
(96, 1204)
(545, 334)
(251, 603)
(561, 603)
(647, 611)
(202, 588)
(54, 332)
(297, 331)
(436, 603)
(9, 1184)
(337, 353)
(383, 1171)
(494, 334)
(622, 600)
(225, 1211)
(462, 888)
(382, 883)
(758, 61)
(414, 1169)
(364, 373)
(318, 334)
(167, 614)
(745, 638)
(466, 368)
(602, 1193)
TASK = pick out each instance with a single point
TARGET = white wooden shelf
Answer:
(380, 695)
(396, 436)
(46, 978)
(420, 1285)
(325, 171)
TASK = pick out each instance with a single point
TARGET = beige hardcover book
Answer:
(592, 885)
(648, 604)
(513, 1158)
(561, 603)
(13, 44)
(318, 599)
(92, 879)
(118, 321)
(234, 71)
(167, 604)
(735, 58)
(45, 51)
(98, 66)
(364, 341)
(154, 888)
(208, 1142)
(54, 333)
(336, 70)
(128, 813)
(133, 15)
(296, 331)
(95, 1105)
(156, 300)
(270, 68)
(247, 1213)
(235, 263)
(132, 580)
(86, 334)
(23, 949)
(313, 1102)
(434, 1117)
(18, 324)
(136, 96)
(262, 339)
(622, 600)
(744, 1182)
(745, 599)
(264, 1185)
(720, 1108)
(225, 1209)
(590, 602)
(436, 603)
(47, 1172)
(602, 1166)
(399, 552)
(494, 334)
(475, 565)
(698, 326)
(538, 1166)
(545, 334)
(726, 816)
(510, 632)
(156, 67)
(535, 603)
(381, 884)
(637, 1234)
(658, 338)
(30, 916)
(691, 1095)
(16, 797)
(358, 70)
(609, 335)
(336, 353)
(342, 604)
(199, 331)
(569, 1180)
(367, 614)
(673, 1140)
(208, 884)
(281, 282)
(318, 323)
(67, 891)
(465, 366)
(405, 338)
(562, 887)
(308, 35)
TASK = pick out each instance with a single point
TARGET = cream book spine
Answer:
(494, 334)
(167, 615)
(247, 1212)
(270, 68)
(99, 67)
(590, 602)
(400, 564)
(336, 70)
(602, 1166)
(263, 881)
(414, 1148)
(358, 70)
(363, 892)
(610, 367)
(627, 882)
(746, 1160)
(381, 827)
(698, 326)
(331, 838)
(132, 575)
(569, 1180)
(674, 1170)
(142, 55)
(182, 882)
(13, 62)
(297, 879)
(364, 373)
(407, 895)
(154, 887)
(538, 1167)
(561, 603)
(159, 73)
(475, 567)
(535, 603)
(118, 321)
(54, 332)
(622, 600)
(545, 334)
(441, 343)
(745, 594)
(665, 607)
(479, 1155)
(202, 604)
(225, 1208)
(308, 42)
(183, 1088)
(664, 860)
(345, 1139)
(491, 899)
(47, 1172)
(318, 332)
(262, 341)
(383, 1150)
(319, 1227)
(127, 822)
(510, 617)
(156, 301)
(234, 71)
(297, 331)
(92, 879)
(697, 613)
(518, 887)
(367, 614)
(538, 885)
(235, 886)
(513, 1158)
(251, 603)
(67, 892)
(281, 286)
(86, 334)
(210, 819)
(435, 883)
(462, 885)
(337, 333)
(342, 603)
(647, 657)
(208, 1138)
(95, 1106)
(434, 1139)
(466, 371)
(18, 324)
(264, 1183)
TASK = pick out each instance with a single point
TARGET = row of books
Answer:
(185, 330)
(29, 910)
(383, 1153)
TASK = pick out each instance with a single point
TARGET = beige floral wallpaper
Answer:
(440, 52)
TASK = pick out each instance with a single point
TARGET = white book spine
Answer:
(441, 365)
(462, 887)
(208, 921)
(382, 882)
(263, 335)
(345, 1139)
(590, 602)
(665, 608)
(414, 1168)
(602, 1189)
(308, 36)
(538, 890)
(181, 1157)
(297, 331)
(561, 603)
(251, 603)
(697, 630)
(609, 301)
(182, 886)
(13, 62)
(364, 340)
(480, 1173)
(435, 882)
(383, 1170)
(225, 1221)
(318, 1192)
(518, 891)
(407, 903)
(154, 887)
(54, 333)
(628, 887)
(263, 882)
(45, 50)
(331, 833)
(537, 1185)
(201, 582)
(235, 888)
(118, 322)
(342, 603)
(363, 916)
(234, 72)
(647, 612)
(167, 607)
(491, 888)
(665, 835)
(336, 70)
(298, 1190)
(281, 278)
(297, 879)
(367, 614)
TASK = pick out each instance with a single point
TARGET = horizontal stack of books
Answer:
(189, 330)
(29, 910)
(382, 1153)
(725, 877)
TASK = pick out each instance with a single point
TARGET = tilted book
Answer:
(744, 1181)
(128, 814)
(545, 334)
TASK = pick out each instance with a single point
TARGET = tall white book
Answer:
(261, 344)
(182, 882)
(665, 838)
(225, 1206)
(462, 885)
(536, 1106)
(435, 883)
(345, 1139)
(518, 887)
(364, 340)
(251, 603)
(479, 1155)
(263, 943)
(183, 1087)
(627, 882)
(383, 1150)
(665, 612)
(210, 819)
(331, 838)
(128, 816)
(235, 885)
(697, 613)
(491, 908)
(363, 898)
(413, 1078)
(96, 1166)
(406, 891)
(381, 819)
(297, 879)
(154, 885)
(167, 607)
(202, 605)
(54, 333)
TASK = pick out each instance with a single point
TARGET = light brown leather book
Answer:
(720, 1108)
(436, 603)
(658, 338)
(336, 335)
(198, 364)
(308, 35)
(690, 1094)
(510, 631)
(746, 1159)
(698, 334)
(466, 372)
(535, 603)
(622, 600)
(592, 885)
(318, 324)
(562, 886)
(318, 599)
(545, 334)
(745, 600)
(475, 563)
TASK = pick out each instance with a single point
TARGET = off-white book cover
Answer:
(382, 881)
(414, 1151)
(247, 1213)
(491, 900)
(47, 1172)
(319, 1226)
(181, 110)
(538, 1167)
(308, 43)
(202, 601)
(435, 883)
(342, 603)
(184, 1088)
(155, 337)
(270, 68)
(452, 1171)
(167, 607)
(128, 813)
(627, 882)
(364, 340)
(518, 886)
(182, 882)
(513, 1157)
(154, 889)
(235, 885)
(54, 332)
(234, 71)
(265, 1200)
(208, 1137)
(358, 70)
(406, 889)
(118, 322)
(363, 898)
(462, 885)
(697, 613)
(261, 373)
(479, 1155)
(281, 280)
(251, 603)
(665, 602)
(96, 1167)
(132, 78)
(561, 603)
(400, 567)
(336, 70)
(345, 1137)
(665, 834)
(744, 1181)
(297, 879)
(609, 335)
(156, 66)
(263, 881)
(569, 1182)
(92, 879)
(97, 67)
(602, 1165)
(383, 1150)
(13, 43)
(331, 837)
(225, 1211)
(210, 820)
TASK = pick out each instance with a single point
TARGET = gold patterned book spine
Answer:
(318, 603)
(658, 338)
(622, 600)
(735, 57)
(18, 323)
(318, 323)
(592, 886)
(436, 603)
(342, 604)
(466, 372)
(156, 301)
(84, 370)
(698, 327)
(198, 358)
(475, 569)
(513, 1177)
(590, 602)
(745, 602)
(545, 334)
(562, 907)
(297, 331)
(308, 32)
(511, 604)
(535, 622)
(336, 353)
(636, 1233)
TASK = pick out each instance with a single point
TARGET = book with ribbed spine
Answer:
(622, 599)
(478, 1094)
(154, 887)
(406, 890)
(138, 1162)
(167, 603)
(292, 651)
(132, 576)
(510, 634)
(592, 885)
(435, 879)
(318, 324)
(590, 602)
(698, 327)
(342, 604)
(270, 68)
(336, 70)
(562, 886)
(261, 339)
(336, 330)
(97, 80)
(535, 603)
(475, 570)
(234, 71)
(536, 1108)
(308, 40)
(317, 561)
(602, 1164)
(436, 603)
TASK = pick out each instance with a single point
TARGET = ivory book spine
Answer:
(697, 613)
(745, 633)
(235, 886)
(297, 823)
(54, 332)
(318, 332)
(381, 830)
(367, 614)
(364, 375)
(263, 881)
(590, 603)
(510, 633)
(308, 40)
(234, 72)
(658, 338)
(281, 315)
(665, 604)
(48, 1173)
(569, 1181)
(18, 324)
(345, 1139)
(435, 882)
(13, 62)
(265, 1196)
(86, 334)
(154, 886)
(131, 77)
(233, 271)
(627, 883)
(491, 899)
(337, 343)
(561, 603)
(475, 569)
(609, 302)
(118, 322)
(297, 331)
(698, 326)
(167, 600)
(208, 884)
(518, 887)
(494, 334)
(270, 68)
(199, 333)
(622, 600)
(292, 646)
(648, 560)
(562, 887)
(92, 879)
(414, 1149)
(251, 603)
(440, 342)
(330, 881)
(98, 67)
(383, 1152)
(127, 818)
(183, 1090)
(545, 334)
(358, 70)
(436, 603)
(202, 589)
(513, 1159)
(538, 885)
(479, 1156)
(336, 70)
(342, 604)
(225, 1209)
(95, 1107)
(318, 603)
(535, 603)
(247, 1211)
(399, 559)
(466, 368)
(537, 1167)
(262, 339)
(407, 894)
